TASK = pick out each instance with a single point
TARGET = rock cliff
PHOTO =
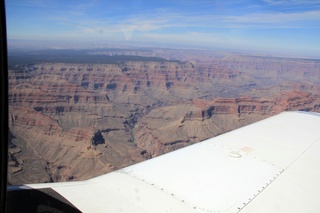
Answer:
(172, 127)
(75, 121)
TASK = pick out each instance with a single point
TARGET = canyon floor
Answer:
(77, 114)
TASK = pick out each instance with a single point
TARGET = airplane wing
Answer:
(269, 166)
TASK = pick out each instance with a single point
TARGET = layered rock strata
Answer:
(76, 121)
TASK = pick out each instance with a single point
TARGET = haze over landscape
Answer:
(289, 27)
(95, 86)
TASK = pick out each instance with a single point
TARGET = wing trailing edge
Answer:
(268, 166)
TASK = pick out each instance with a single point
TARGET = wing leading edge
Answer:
(268, 166)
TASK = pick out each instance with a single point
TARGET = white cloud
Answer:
(275, 19)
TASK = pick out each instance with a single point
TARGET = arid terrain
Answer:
(72, 120)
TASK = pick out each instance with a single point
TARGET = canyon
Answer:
(73, 121)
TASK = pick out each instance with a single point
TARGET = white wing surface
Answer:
(269, 166)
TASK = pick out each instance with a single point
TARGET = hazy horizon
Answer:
(280, 27)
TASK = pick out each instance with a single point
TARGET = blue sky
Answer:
(275, 26)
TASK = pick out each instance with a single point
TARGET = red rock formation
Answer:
(76, 154)
(287, 101)
(24, 117)
(143, 109)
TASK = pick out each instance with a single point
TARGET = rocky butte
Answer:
(73, 121)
